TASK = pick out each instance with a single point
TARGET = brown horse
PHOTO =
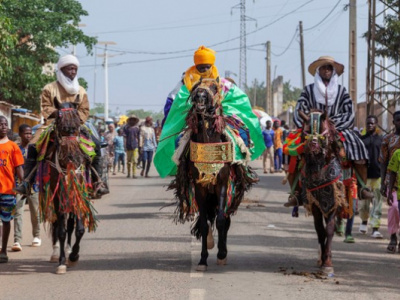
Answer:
(64, 182)
(322, 189)
(208, 183)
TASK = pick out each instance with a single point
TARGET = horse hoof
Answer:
(222, 262)
(327, 270)
(61, 269)
(201, 268)
(210, 239)
(71, 264)
(54, 258)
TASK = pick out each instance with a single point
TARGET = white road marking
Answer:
(195, 246)
(197, 294)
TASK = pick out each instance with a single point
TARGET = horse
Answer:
(65, 156)
(208, 183)
(322, 191)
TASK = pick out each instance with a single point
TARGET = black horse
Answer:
(64, 179)
(208, 183)
(323, 192)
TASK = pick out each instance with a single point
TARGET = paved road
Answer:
(138, 253)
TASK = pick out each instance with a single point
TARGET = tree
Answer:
(256, 93)
(7, 41)
(141, 114)
(388, 36)
(290, 95)
(40, 26)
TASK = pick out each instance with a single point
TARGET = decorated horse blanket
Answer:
(236, 108)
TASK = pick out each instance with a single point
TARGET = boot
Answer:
(364, 193)
(29, 172)
(97, 165)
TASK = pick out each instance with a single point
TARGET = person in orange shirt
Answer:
(278, 145)
(11, 162)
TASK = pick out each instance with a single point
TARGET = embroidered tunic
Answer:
(341, 113)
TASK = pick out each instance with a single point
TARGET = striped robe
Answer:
(341, 113)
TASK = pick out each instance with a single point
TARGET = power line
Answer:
(287, 47)
(324, 18)
(219, 43)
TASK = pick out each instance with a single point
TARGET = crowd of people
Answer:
(133, 144)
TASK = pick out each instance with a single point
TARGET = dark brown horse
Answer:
(65, 183)
(322, 189)
(207, 182)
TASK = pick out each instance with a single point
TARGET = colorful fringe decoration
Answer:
(72, 194)
(43, 142)
(293, 145)
(230, 193)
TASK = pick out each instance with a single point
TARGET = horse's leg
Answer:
(330, 230)
(202, 202)
(61, 233)
(319, 228)
(79, 232)
(55, 256)
(70, 229)
(221, 227)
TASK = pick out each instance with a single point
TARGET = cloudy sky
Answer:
(155, 41)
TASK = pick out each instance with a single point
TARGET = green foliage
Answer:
(97, 109)
(257, 93)
(7, 41)
(258, 90)
(387, 38)
(40, 26)
(141, 114)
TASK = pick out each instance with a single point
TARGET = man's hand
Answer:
(390, 198)
(383, 190)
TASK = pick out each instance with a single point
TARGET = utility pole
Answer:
(268, 102)
(353, 55)
(105, 65)
(303, 70)
(243, 46)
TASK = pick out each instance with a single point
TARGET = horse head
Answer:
(67, 119)
(318, 132)
(206, 96)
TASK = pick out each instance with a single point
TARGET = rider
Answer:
(327, 90)
(235, 103)
(65, 89)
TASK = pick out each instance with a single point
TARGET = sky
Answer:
(155, 41)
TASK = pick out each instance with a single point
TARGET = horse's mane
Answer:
(213, 90)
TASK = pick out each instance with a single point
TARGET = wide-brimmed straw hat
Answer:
(326, 60)
(132, 116)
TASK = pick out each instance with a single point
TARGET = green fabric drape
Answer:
(235, 102)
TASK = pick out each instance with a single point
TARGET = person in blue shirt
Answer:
(119, 151)
(268, 154)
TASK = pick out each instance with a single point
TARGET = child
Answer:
(25, 134)
(11, 162)
(119, 151)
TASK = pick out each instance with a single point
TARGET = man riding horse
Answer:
(65, 89)
(235, 103)
(325, 94)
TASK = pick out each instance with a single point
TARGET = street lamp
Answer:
(105, 64)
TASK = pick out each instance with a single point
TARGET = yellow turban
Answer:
(204, 56)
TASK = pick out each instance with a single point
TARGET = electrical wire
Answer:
(287, 47)
(324, 18)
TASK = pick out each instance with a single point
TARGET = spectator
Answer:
(148, 145)
(119, 152)
(25, 134)
(131, 142)
(109, 139)
(278, 145)
(372, 141)
(268, 154)
(11, 162)
(285, 158)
